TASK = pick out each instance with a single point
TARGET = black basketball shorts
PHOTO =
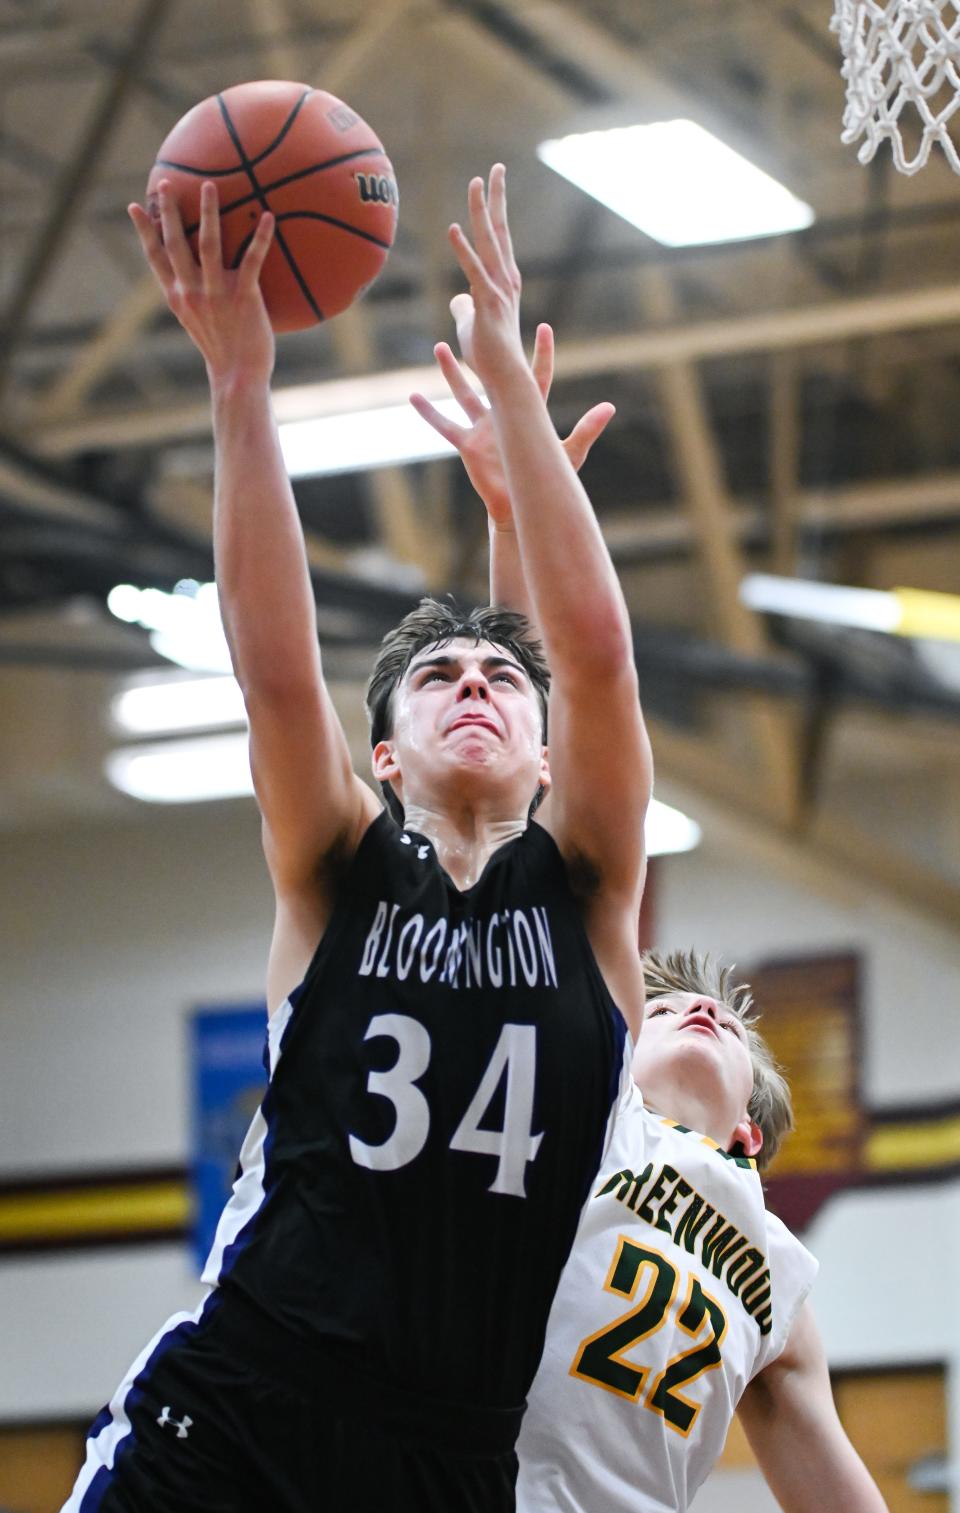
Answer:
(208, 1421)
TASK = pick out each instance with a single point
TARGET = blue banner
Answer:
(229, 1081)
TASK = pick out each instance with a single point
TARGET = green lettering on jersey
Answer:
(691, 1221)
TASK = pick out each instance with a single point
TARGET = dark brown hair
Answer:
(435, 623)
(770, 1105)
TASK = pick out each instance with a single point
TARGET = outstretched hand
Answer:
(221, 309)
(494, 278)
(476, 442)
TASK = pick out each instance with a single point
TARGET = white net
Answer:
(902, 73)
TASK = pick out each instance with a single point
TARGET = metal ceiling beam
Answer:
(784, 462)
(74, 181)
(771, 331)
(540, 50)
(188, 506)
(67, 393)
(36, 486)
(881, 504)
(699, 471)
(400, 522)
(836, 849)
(271, 28)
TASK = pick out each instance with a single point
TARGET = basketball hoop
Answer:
(902, 73)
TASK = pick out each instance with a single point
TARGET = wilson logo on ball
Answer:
(377, 189)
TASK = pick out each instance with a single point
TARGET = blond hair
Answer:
(770, 1106)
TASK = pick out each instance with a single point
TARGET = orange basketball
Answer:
(311, 160)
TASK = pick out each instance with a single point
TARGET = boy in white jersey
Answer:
(683, 1300)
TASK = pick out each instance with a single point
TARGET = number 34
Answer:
(514, 1056)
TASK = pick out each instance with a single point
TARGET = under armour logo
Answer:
(422, 851)
(181, 1426)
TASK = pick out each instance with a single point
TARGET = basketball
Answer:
(307, 157)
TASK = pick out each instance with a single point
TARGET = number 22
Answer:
(599, 1359)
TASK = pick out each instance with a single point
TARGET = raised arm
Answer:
(599, 753)
(477, 445)
(313, 806)
(791, 1421)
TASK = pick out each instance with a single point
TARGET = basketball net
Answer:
(902, 73)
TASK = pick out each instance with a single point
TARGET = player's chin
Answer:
(472, 756)
(474, 738)
(697, 1049)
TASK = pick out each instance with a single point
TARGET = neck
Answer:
(696, 1112)
(463, 841)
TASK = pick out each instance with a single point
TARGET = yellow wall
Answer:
(38, 1467)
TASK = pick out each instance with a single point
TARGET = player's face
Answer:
(467, 711)
(693, 1044)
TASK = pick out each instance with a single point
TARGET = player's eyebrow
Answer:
(445, 659)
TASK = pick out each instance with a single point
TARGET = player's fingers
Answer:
(463, 312)
(181, 258)
(542, 361)
(484, 237)
(255, 255)
(462, 390)
(497, 205)
(586, 431)
(445, 427)
(211, 251)
(461, 308)
(152, 247)
(474, 271)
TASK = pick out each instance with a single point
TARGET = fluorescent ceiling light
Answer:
(677, 182)
(365, 439)
(912, 612)
(367, 391)
(183, 772)
(668, 830)
(185, 626)
(863, 608)
(168, 704)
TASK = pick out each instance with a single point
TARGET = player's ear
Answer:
(544, 780)
(747, 1138)
(384, 762)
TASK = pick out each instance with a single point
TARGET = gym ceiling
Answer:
(785, 405)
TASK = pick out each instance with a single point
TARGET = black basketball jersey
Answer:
(442, 1084)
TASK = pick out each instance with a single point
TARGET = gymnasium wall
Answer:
(110, 935)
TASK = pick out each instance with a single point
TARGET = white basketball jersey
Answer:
(680, 1287)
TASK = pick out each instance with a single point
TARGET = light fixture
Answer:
(365, 439)
(677, 182)
(863, 608)
(165, 704)
(183, 771)
(185, 626)
(911, 612)
(668, 830)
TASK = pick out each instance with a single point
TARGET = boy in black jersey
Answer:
(449, 1000)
